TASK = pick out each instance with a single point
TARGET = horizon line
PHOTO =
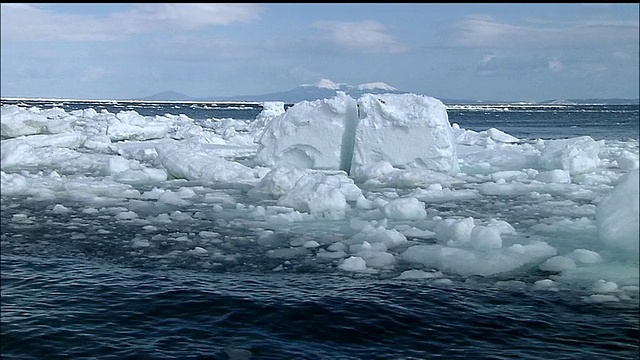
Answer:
(258, 102)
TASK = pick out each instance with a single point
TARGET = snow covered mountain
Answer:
(325, 88)
(322, 89)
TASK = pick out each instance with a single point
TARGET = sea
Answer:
(72, 287)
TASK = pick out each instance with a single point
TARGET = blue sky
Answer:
(527, 52)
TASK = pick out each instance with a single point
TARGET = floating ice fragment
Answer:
(390, 238)
(140, 243)
(60, 209)
(485, 237)
(353, 263)
(455, 232)
(126, 215)
(627, 160)
(617, 216)
(558, 264)
(545, 284)
(419, 274)
(337, 246)
(311, 244)
(585, 256)
(169, 197)
(443, 282)
(198, 251)
(21, 218)
(208, 234)
(277, 182)
(324, 255)
(321, 195)
(377, 259)
(557, 176)
(602, 286)
(577, 155)
(405, 209)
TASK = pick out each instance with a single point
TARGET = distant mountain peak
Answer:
(371, 86)
(168, 95)
(322, 89)
(376, 86)
(325, 88)
(325, 84)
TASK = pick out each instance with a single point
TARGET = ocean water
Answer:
(75, 285)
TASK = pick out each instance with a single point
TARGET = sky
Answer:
(498, 52)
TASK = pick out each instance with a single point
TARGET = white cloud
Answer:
(509, 65)
(486, 59)
(32, 23)
(555, 65)
(482, 31)
(363, 36)
(186, 15)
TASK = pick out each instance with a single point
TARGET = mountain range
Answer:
(326, 88)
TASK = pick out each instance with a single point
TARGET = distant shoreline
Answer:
(111, 101)
(260, 103)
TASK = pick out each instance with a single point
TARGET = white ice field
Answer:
(381, 185)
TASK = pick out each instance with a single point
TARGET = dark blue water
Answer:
(65, 296)
(65, 307)
(601, 122)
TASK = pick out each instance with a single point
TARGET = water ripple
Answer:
(66, 308)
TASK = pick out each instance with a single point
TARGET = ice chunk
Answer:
(310, 134)
(617, 215)
(577, 155)
(405, 130)
(405, 209)
(344, 134)
(353, 263)
(321, 195)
